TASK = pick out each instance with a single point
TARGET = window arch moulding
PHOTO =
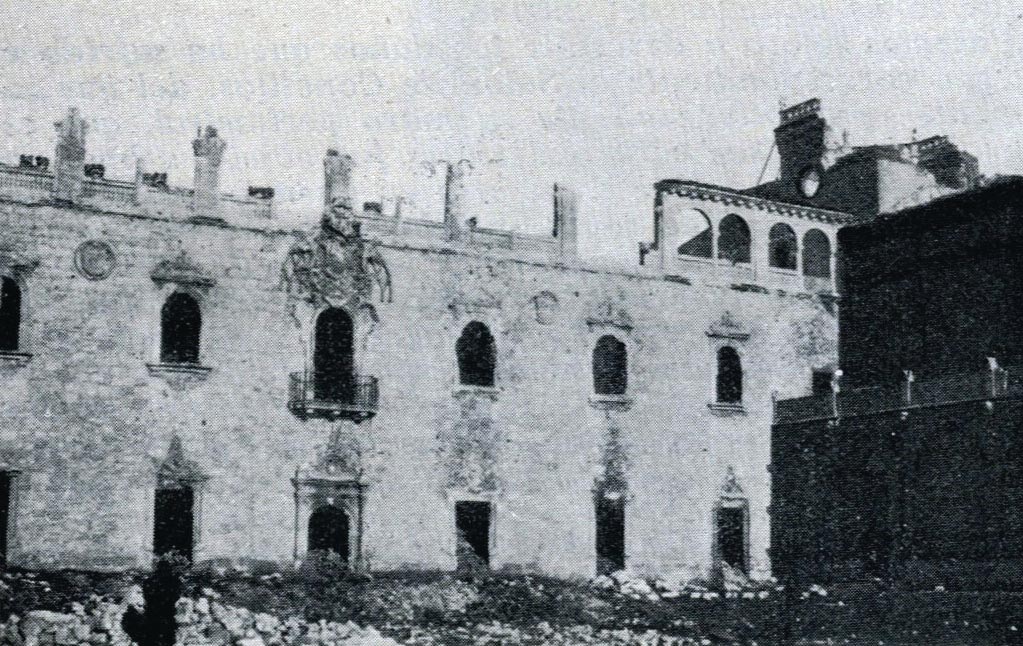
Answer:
(727, 331)
(184, 275)
(18, 267)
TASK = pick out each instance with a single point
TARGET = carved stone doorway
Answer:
(328, 531)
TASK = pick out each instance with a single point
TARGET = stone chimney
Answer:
(454, 198)
(209, 151)
(69, 162)
(337, 184)
(801, 137)
(565, 227)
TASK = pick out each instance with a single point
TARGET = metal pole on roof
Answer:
(763, 170)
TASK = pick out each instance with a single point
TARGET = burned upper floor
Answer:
(818, 168)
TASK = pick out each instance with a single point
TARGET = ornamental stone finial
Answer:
(208, 148)
(69, 161)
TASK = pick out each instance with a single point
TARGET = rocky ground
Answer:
(313, 606)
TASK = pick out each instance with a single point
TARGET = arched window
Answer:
(610, 367)
(816, 254)
(782, 246)
(10, 315)
(733, 239)
(729, 381)
(695, 233)
(333, 356)
(477, 356)
(180, 323)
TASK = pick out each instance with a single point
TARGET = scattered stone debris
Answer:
(733, 584)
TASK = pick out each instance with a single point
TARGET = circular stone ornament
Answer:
(809, 182)
(95, 259)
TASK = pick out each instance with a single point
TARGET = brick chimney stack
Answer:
(69, 161)
(565, 227)
(209, 151)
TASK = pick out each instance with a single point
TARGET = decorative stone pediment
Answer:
(336, 267)
(728, 327)
(182, 270)
(177, 470)
(340, 460)
(609, 313)
(730, 487)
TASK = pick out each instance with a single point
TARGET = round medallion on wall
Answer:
(95, 259)
(809, 182)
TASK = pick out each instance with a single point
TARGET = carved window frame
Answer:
(723, 333)
(20, 355)
(178, 373)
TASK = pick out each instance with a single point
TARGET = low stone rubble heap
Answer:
(205, 621)
(734, 585)
(94, 622)
(201, 621)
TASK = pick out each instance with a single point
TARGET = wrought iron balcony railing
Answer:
(355, 398)
(912, 393)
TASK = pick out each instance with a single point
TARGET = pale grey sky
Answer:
(606, 96)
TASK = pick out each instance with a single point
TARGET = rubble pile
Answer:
(200, 621)
(94, 622)
(207, 622)
(496, 633)
(733, 585)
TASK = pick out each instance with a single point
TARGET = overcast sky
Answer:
(608, 97)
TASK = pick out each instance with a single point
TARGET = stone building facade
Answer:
(181, 372)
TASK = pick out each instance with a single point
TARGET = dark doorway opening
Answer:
(472, 524)
(333, 356)
(5, 514)
(328, 531)
(732, 537)
(610, 516)
(174, 522)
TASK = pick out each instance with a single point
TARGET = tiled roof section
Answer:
(711, 193)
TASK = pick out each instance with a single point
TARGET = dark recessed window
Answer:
(816, 254)
(729, 379)
(180, 324)
(610, 367)
(782, 246)
(734, 240)
(10, 315)
(477, 356)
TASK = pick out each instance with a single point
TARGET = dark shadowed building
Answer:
(912, 468)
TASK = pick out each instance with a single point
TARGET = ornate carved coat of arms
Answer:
(337, 266)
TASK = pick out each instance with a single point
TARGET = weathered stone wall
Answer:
(88, 423)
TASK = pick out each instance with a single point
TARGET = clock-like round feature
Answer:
(95, 259)
(809, 182)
